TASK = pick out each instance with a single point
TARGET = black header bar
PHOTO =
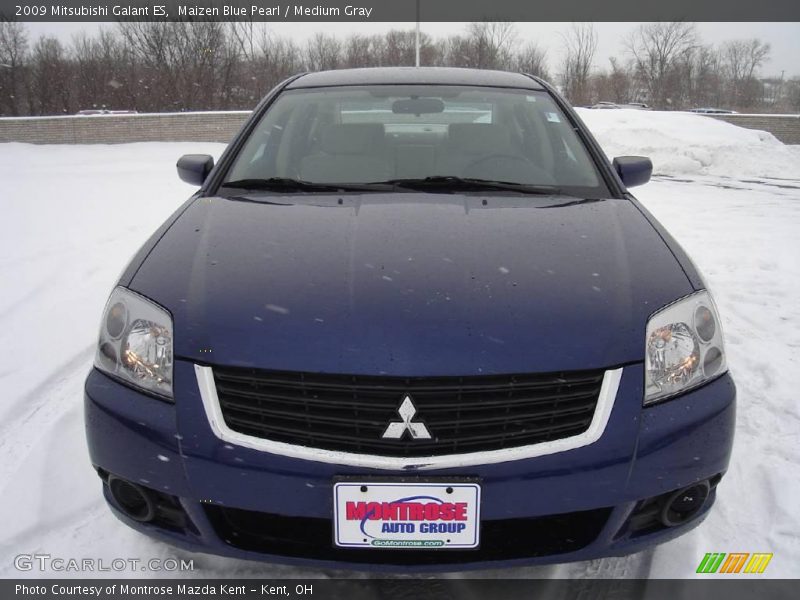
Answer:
(399, 10)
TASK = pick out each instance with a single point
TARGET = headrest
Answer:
(478, 138)
(353, 138)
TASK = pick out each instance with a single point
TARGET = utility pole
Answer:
(417, 36)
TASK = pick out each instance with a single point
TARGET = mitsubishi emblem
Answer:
(396, 429)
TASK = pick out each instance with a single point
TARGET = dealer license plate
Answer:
(425, 516)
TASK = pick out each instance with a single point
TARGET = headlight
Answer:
(135, 342)
(683, 347)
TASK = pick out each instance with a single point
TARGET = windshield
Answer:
(386, 133)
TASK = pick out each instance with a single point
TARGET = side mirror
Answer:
(194, 168)
(633, 170)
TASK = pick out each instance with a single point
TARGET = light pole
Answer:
(417, 36)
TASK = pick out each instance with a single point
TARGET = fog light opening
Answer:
(132, 499)
(682, 505)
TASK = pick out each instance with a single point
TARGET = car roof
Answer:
(415, 75)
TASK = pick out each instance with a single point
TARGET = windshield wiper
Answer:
(576, 202)
(453, 183)
(287, 184)
(446, 183)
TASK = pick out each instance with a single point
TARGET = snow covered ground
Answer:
(73, 215)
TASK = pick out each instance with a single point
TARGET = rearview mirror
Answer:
(633, 170)
(417, 106)
(194, 168)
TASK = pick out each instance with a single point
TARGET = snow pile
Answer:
(688, 144)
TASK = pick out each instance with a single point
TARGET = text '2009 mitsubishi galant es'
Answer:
(412, 319)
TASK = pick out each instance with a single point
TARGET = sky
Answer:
(784, 37)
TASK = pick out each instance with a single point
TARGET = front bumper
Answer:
(579, 504)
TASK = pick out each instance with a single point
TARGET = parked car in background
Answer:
(413, 319)
(604, 105)
(713, 111)
(102, 111)
(613, 105)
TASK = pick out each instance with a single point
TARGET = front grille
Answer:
(312, 538)
(463, 414)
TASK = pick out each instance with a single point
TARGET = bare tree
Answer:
(183, 63)
(707, 81)
(360, 51)
(397, 49)
(264, 60)
(622, 83)
(249, 39)
(104, 72)
(50, 77)
(492, 44)
(656, 49)
(742, 59)
(454, 51)
(13, 52)
(487, 45)
(580, 45)
(323, 52)
(280, 58)
(155, 50)
(193, 65)
(533, 60)
(200, 48)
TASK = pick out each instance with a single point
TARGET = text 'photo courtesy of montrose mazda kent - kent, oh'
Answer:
(412, 320)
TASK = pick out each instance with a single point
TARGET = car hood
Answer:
(411, 284)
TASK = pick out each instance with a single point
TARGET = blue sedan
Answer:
(414, 320)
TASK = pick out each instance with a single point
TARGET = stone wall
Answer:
(784, 127)
(222, 126)
(120, 129)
